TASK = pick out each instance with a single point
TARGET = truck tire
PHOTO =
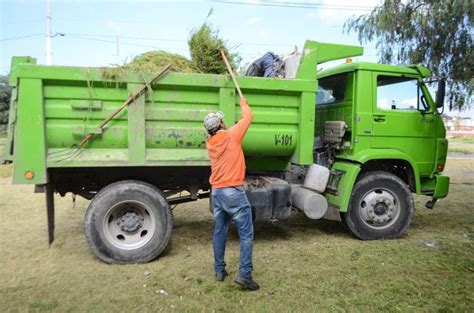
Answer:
(381, 207)
(128, 222)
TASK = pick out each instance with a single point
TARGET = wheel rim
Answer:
(129, 225)
(379, 208)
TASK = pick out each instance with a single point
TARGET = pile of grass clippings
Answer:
(205, 46)
(151, 62)
(159, 59)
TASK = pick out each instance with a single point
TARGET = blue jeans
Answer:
(231, 203)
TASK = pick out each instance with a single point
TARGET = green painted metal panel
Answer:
(305, 137)
(226, 105)
(97, 157)
(16, 61)
(7, 153)
(424, 72)
(404, 135)
(86, 105)
(165, 126)
(30, 148)
(409, 131)
(369, 67)
(441, 187)
(136, 128)
(441, 153)
(78, 75)
(366, 153)
(346, 183)
(267, 163)
(169, 119)
(323, 52)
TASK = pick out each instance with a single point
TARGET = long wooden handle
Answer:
(127, 102)
(229, 69)
(85, 139)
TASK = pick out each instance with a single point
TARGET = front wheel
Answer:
(128, 222)
(381, 207)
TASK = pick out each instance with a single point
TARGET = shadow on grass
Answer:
(297, 226)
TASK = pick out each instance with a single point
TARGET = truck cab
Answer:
(391, 125)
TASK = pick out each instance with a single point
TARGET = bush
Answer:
(5, 94)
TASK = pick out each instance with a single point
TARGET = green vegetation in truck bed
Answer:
(204, 45)
(151, 61)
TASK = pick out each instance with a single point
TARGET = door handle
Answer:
(379, 118)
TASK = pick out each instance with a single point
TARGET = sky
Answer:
(87, 31)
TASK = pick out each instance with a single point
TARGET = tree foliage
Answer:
(5, 94)
(434, 33)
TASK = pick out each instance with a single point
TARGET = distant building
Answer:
(457, 123)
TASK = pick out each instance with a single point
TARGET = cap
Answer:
(213, 120)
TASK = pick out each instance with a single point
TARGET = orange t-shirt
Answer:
(225, 152)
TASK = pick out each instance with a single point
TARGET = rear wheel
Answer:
(128, 222)
(381, 207)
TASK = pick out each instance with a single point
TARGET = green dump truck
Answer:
(351, 143)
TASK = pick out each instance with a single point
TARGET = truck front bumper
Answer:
(436, 186)
(441, 186)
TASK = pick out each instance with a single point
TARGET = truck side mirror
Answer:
(440, 93)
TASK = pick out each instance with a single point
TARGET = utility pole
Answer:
(117, 46)
(48, 32)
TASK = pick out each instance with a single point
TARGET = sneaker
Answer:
(221, 276)
(247, 283)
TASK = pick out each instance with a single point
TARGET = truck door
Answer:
(402, 119)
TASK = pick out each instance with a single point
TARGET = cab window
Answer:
(331, 89)
(397, 93)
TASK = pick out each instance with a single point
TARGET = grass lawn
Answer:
(461, 144)
(302, 265)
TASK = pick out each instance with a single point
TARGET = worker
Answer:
(228, 197)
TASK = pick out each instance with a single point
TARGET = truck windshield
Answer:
(331, 89)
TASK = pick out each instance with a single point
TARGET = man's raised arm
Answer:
(239, 129)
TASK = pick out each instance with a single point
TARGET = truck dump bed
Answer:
(54, 107)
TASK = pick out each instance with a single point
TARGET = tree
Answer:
(5, 94)
(434, 33)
